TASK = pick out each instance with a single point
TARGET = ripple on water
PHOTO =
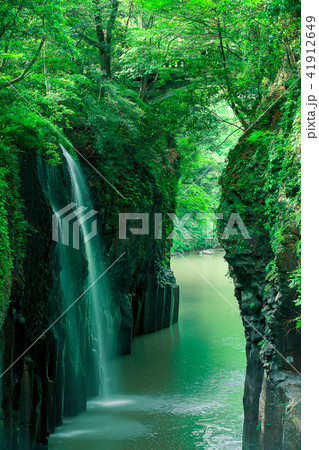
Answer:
(182, 387)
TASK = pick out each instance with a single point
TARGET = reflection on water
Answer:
(182, 387)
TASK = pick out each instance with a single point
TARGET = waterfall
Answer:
(97, 296)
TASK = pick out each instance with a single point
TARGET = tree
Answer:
(104, 34)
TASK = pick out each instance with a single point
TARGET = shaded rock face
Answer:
(263, 268)
(147, 303)
(149, 296)
(261, 182)
(272, 386)
(49, 381)
(57, 375)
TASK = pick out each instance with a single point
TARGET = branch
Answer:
(233, 53)
(270, 107)
(4, 61)
(26, 69)
(111, 21)
(128, 21)
(91, 41)
(228, 83)
(226, 121)
(99, 23)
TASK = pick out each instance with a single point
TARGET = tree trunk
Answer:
(105, 39)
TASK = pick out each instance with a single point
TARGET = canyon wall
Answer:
(261, 183)
(61, 370)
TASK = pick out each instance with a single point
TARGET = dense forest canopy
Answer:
(139, 61)
(151, 81)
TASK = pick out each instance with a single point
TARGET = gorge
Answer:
(178, 116)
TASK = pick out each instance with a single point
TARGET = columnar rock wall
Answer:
(272, 386)
(56, 376)
(261, 183)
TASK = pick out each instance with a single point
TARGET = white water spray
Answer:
(98, 295)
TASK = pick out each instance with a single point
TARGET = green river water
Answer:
(182, 387)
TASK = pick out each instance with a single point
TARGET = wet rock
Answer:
(55, 378)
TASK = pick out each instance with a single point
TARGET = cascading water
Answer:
(97, 295)
(86, 331)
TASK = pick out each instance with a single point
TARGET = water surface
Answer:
(182, 387)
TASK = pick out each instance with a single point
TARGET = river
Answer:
(182, 387)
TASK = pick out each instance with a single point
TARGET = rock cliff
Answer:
(57, 375)
(261, 183)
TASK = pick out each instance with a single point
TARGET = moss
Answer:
(20, 131)
(262, 183)
(12, 224)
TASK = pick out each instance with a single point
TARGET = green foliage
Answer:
(203, 160)
(12, 225)
(116, 118)
(264, 171)
(147, 93)
(295, 284)
(21, 131)
(30, 131)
